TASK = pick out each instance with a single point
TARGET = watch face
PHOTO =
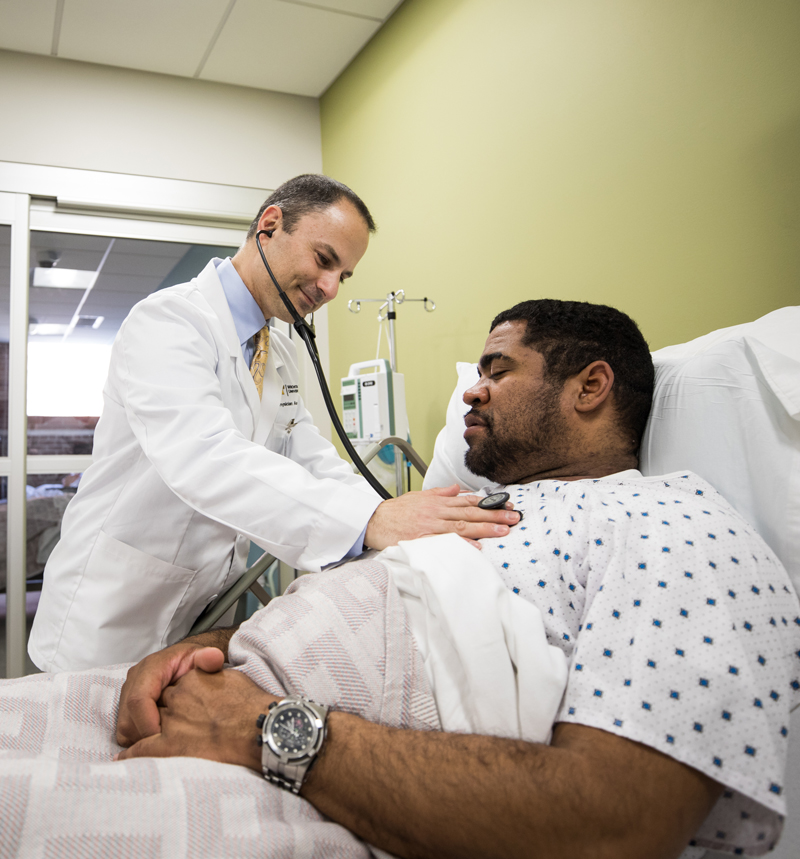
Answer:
(292, 731)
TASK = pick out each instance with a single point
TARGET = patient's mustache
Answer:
(475, 418)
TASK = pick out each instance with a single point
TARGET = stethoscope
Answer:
(496, 501)
(307, 335)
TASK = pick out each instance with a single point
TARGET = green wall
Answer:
(641, 153)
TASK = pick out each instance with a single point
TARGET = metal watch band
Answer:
(292, 778)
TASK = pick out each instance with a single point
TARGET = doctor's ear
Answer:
(270, 220)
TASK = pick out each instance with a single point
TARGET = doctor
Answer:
(197, 452)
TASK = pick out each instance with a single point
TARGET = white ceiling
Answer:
(293, 46)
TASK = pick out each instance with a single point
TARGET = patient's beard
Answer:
(529, 440)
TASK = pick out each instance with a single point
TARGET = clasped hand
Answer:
(207, 712)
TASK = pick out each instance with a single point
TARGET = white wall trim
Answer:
(113, 194)
(46, 216)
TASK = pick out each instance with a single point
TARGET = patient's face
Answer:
(517, 429)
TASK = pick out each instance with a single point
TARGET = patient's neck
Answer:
(590, 467)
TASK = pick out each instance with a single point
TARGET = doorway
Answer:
(67, 281)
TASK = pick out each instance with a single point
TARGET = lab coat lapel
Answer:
(209, 285)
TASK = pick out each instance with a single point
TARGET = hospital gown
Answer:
(681, 627)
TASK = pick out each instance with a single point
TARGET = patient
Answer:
(680, 627)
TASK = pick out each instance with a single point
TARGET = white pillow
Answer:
(447, 466)
(726, 406)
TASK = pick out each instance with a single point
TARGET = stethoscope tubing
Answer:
(307, 335)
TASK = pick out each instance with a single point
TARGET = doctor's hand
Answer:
(138, 710)
(208, 715)
(435, 511)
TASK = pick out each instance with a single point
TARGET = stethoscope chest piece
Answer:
(495, 502)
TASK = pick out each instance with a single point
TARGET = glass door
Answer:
(67, 281)
(81, 289)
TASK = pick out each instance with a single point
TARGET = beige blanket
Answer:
(339, 637)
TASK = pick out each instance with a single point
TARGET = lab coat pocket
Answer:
(278, 439)
(129, 598)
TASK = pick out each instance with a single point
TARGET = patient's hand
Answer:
(208, 715)
(435, 511)
(138, 711)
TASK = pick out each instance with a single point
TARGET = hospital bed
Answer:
(726, 406)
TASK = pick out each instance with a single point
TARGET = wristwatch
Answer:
(291, 737)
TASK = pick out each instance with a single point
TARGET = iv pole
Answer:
(387, 312)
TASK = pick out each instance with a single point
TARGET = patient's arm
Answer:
(138, 713)
(419, 794)
(589, 794)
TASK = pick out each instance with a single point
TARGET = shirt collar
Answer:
(247, 315)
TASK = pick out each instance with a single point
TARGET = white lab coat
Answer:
(189, 466)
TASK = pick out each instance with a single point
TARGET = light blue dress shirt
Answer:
(247, 315)
(249, 320)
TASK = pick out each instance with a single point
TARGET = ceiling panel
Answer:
(380, 9)
(271, 44)
(294, 46)
(152, 35)
(27, 26)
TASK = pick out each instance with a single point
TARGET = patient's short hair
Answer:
(572, 334)
(311, 192)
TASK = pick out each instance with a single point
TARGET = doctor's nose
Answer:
(329, 284)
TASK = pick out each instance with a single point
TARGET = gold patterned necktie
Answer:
(259, 362)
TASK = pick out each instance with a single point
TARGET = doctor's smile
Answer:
(312, 303)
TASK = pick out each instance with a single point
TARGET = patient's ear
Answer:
(592, 386)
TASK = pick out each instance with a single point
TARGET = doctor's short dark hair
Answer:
(311, 192)
(572, 334)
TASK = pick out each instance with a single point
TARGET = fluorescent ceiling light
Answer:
(46, 329)
(49, 329)
(64, 278)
